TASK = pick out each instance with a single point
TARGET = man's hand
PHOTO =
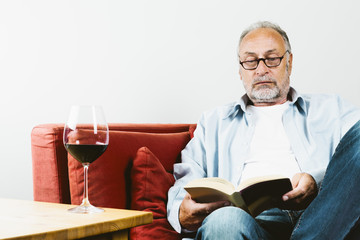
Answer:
(191, 213)
(304, 191)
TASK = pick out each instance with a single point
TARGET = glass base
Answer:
(86, 209)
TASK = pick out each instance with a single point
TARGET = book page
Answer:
(213, 183)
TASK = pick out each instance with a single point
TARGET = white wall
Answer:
(161, 61)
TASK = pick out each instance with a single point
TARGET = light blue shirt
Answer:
(314, 124)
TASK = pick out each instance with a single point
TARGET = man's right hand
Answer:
(192, 214)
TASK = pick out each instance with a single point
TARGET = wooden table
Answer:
(20, 219)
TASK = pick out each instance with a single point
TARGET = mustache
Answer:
(264, 78)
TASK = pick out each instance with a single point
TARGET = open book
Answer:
(254, 195)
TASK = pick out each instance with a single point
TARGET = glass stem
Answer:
(85, 201)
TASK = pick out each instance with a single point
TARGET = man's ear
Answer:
(290, 63)
(240, 74)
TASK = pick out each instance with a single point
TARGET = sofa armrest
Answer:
(50, 164)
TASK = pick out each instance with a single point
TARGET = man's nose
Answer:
(262, 68)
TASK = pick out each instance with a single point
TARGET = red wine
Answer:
(85, 153)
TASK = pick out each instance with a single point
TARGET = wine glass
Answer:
(86, 137)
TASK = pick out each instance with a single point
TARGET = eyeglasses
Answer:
(269, 62)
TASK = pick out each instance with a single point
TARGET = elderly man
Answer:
(312, 139)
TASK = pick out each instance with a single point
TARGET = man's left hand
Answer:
(304, 191)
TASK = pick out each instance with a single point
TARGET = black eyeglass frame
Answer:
(264, 61)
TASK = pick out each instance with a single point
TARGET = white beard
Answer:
(265, 93)
(268, 92)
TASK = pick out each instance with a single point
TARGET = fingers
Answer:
(289, 196)
(191, 213)
(207, 208)
(302, 184)
(298, 192)
(199, 209)
(304, 191)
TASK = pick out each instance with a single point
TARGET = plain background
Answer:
(155, 61)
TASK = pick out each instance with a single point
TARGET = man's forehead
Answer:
(262, 40)
(274, 50)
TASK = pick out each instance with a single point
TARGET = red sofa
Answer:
(135, 172)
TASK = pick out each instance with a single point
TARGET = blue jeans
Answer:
(336, 209)
(234, 223)
(331, 215)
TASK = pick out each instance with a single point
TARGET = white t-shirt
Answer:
(270, 150)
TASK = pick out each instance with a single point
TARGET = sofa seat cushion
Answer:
(150, 185)
(109, 176)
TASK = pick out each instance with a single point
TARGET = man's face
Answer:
(265, 86)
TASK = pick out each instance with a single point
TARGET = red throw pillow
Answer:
(150, 184)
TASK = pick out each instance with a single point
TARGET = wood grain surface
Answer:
(21, 219)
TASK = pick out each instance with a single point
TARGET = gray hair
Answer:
(266, 24)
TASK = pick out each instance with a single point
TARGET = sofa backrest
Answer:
(58, 177)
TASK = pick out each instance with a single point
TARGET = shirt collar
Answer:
(240, 106)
